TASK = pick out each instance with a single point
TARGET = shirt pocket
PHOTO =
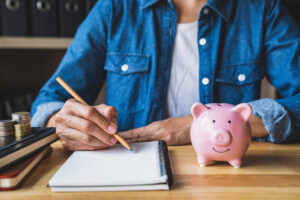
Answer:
(239, 83)
(127, 81)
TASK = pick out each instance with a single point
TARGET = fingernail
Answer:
(113, 140)
(112, 128)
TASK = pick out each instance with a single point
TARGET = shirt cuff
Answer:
(43, 112)
(275, 117)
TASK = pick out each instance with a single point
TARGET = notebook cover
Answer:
(9, 145)
(116, 169)
(18, 168)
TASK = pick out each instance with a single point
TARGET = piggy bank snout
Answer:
(221, 138)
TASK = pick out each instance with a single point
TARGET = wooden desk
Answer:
(269, 171)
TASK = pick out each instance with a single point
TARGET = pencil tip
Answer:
(131, 149)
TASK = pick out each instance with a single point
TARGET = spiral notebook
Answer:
(116, 169)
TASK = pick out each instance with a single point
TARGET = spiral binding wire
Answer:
(164, 162)
(161, 159)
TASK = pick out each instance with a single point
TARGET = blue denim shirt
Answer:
(249, 38)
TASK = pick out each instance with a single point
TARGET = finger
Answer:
(135, 133)
(77, 136)
(91, 114)
(72, 145)
(88, 128)
(108, 111)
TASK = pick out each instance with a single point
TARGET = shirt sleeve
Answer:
(275, 118)
(281, 117)
(81, 66)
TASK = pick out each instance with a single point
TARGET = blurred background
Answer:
(34, 35)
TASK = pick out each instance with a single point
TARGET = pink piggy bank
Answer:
(220, 132)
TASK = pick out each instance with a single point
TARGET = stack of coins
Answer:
(6, 127)
(22, 126)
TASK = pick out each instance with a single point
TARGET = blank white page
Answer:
(111, 167)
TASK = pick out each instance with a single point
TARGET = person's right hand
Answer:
(83, 127)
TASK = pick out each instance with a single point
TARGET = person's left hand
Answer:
(174, 131)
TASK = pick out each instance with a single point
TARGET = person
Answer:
(159, 57)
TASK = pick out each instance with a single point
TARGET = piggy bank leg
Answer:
(203, 161)
(236, 163)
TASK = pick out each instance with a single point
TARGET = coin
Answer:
(21, 117)
(22, 130)
(6, 127)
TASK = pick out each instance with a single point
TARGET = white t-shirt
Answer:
(183, 90)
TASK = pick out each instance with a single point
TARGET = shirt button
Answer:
(241, 77)
(206, 11)
(205, 81)
(124, 67)
(202, 41)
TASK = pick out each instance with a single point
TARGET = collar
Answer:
(221, 7)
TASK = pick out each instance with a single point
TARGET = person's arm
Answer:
(281, 117)
(80, 126)
(51, 121)
(258, 129)
(272, 119)
(176, 131)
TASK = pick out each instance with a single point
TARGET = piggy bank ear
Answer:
(244, 109)
(197, 109)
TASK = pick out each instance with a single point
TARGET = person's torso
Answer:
(140, 47)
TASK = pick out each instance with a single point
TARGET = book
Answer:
(116, 169)
(11, 178)
(71, 14)
(14, 17)
(89, 5)
(44, 18)
(13, 149)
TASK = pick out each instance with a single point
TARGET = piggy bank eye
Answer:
(214, 121)
(229, 121)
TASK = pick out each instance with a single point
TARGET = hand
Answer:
(83, 127)
(175, 131)
(257, 127)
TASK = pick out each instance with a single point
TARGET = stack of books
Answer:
(19, 156)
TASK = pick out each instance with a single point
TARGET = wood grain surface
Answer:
(269, 171)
